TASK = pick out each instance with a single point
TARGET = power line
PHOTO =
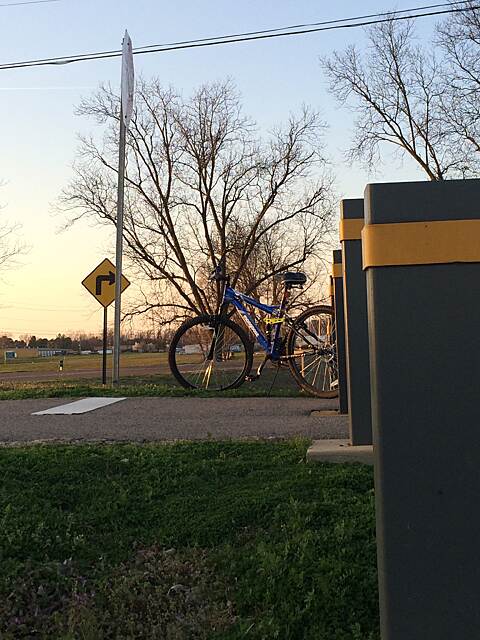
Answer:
(346, 23)
(303, 25)
(252, 33)
(17, 4)
(233, 38)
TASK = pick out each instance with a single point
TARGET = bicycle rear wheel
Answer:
(311, 352)
(211, 353)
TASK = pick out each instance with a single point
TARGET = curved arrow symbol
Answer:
(100, 279)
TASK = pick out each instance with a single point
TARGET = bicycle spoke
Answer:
(318, 359)
(316, 372)
(324, 376)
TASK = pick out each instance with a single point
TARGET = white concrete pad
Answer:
(80, 406)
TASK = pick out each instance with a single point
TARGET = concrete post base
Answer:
(339, 451)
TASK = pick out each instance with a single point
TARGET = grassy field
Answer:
(211, 540)
(158, 361)
(149, 376)
(133, 388)
(79, 363)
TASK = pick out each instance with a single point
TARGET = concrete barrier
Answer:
(421, 248)
(337, 276)
(356, 325)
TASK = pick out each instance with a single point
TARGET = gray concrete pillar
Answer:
(356, 327)
(337, 275)
(421, 248)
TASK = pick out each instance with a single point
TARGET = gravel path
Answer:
(166, 419)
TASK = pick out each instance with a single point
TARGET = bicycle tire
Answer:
(293, 358)
(210, 321)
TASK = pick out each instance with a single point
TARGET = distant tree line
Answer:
(155, 340)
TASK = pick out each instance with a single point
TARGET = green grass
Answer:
(78, 362)
(162, 385)
(209, 540)
(146, 374)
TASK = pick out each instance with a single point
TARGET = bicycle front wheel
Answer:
(311, 352)
(211, 353)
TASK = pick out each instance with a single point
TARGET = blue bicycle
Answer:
(212, 352)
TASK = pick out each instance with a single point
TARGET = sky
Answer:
(39, 130)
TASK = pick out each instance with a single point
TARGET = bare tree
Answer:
(459, 38)
(10, 245)
(399, 93)
(202, 187)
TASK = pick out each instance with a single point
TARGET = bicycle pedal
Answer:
(251, 378)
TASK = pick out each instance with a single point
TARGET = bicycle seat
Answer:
(218, 275)
(293, 278)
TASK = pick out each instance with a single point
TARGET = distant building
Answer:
(20, 354)
(144, 347)
(45, 352)
(192, 348)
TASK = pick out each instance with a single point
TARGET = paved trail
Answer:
(165, 419)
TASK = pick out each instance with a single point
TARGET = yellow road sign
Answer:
(101, 283)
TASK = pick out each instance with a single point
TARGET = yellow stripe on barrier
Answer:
(351, 229)
(410, 243)
(337, 270)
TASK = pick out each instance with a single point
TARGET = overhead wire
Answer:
(252, 33)
(305, 25)
(346, 23)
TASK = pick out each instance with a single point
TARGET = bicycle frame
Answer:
(270, 346)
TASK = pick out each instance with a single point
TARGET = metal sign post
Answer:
(104, 358)
(127, 90)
